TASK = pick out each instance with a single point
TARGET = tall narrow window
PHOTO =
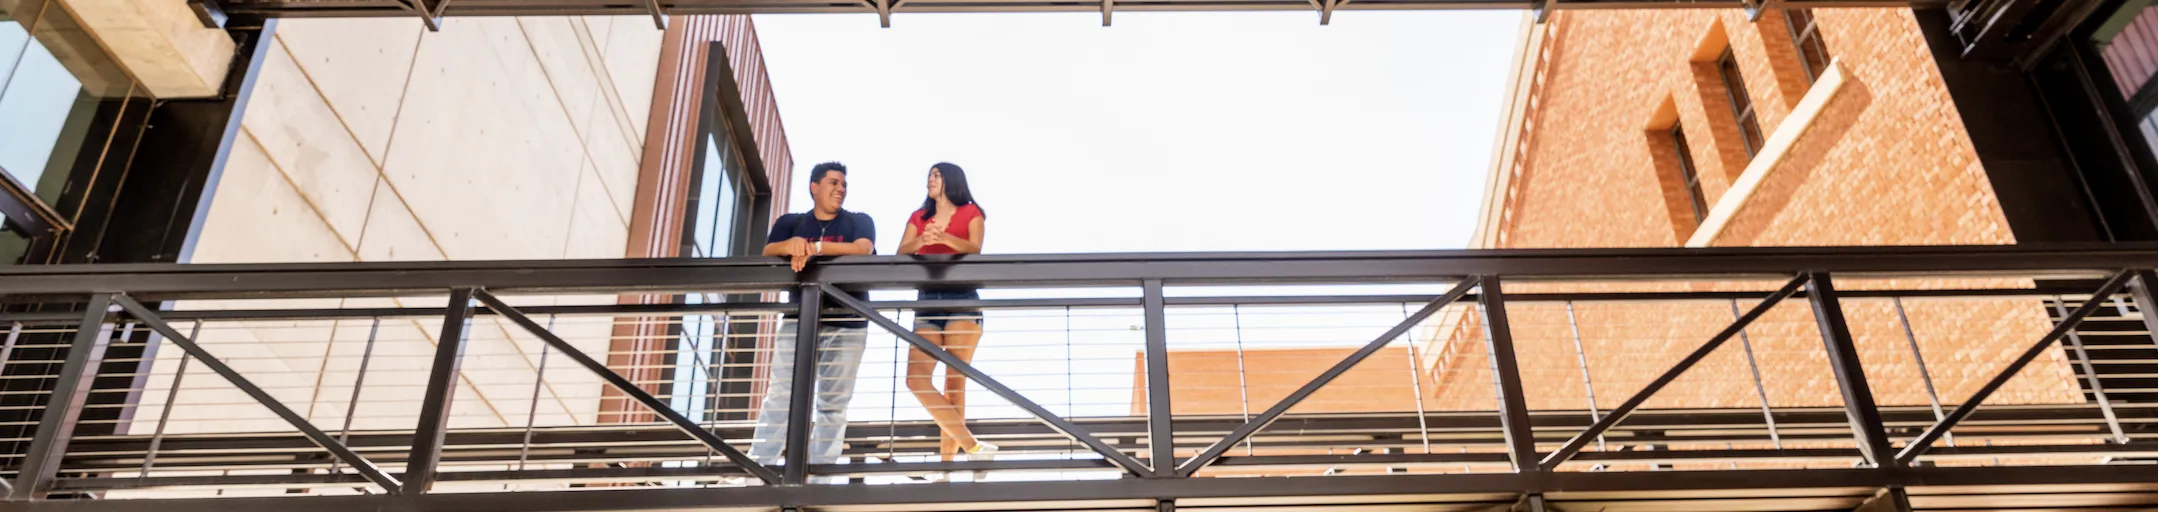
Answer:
(1806, 35)
(1734, 87)
(1687, 174)
(707, 361)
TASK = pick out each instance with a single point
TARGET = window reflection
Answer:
(42, 102)
(56, 83)
(717, 227)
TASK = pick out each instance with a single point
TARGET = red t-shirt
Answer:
(961, 227)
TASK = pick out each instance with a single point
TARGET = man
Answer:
(826, 230)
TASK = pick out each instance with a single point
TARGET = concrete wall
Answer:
(374, 140)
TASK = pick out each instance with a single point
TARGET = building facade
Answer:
(1804, 127)
(344, 140)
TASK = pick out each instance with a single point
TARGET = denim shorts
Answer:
(937, 319)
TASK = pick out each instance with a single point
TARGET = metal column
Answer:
(1162, 450)
(1513, 402)
(1858, 403)
(810, 301)
(441, 391)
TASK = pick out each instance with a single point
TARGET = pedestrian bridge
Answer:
(1894, 378)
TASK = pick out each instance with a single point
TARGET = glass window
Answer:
(717, 227)
(55, 84)
(719, 211)
(1734, 87)
(2128, 44)
(1806, 35)
(1687, 174)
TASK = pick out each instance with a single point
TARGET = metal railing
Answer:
(1795, 377)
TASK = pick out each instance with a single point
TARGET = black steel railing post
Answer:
(427, 436)
(2146, 303)
(1513, 402)
(1865, 416)
(56, 427)
(1159, 438)
(810, 304)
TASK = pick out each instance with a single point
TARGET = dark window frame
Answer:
(726, 385)
(1688, 175)
(1813, 54)
(1734, 88)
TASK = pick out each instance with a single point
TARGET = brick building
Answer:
(1703, 129)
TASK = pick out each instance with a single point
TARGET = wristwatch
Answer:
(820, 247)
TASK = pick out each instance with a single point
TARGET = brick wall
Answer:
(1230, 382)
(1886, 162)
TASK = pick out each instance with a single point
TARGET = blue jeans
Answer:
(839, 358)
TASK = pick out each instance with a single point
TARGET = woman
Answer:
(948, 223)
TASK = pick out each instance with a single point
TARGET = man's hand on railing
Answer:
(797, 250)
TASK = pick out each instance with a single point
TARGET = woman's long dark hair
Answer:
(955, 189)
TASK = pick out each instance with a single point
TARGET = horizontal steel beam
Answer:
(597, 473)
(750, 308)
(1553, 425)
(1068, 494)
(163, 281)
(390, 8)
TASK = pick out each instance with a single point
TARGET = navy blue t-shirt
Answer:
(846, 228)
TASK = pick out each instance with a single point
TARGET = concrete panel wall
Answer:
(374, 140)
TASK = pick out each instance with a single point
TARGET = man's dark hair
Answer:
(816, 174)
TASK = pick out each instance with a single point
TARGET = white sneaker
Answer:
(982, 450)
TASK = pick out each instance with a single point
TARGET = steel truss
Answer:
(223, 13)
(62, 463)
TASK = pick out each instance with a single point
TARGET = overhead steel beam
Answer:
(386, 8)
(331, 444)
(210, 12)
(657, 11)
(710, 440)
(429, 11)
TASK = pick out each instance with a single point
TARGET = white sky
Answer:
(1166, 132)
